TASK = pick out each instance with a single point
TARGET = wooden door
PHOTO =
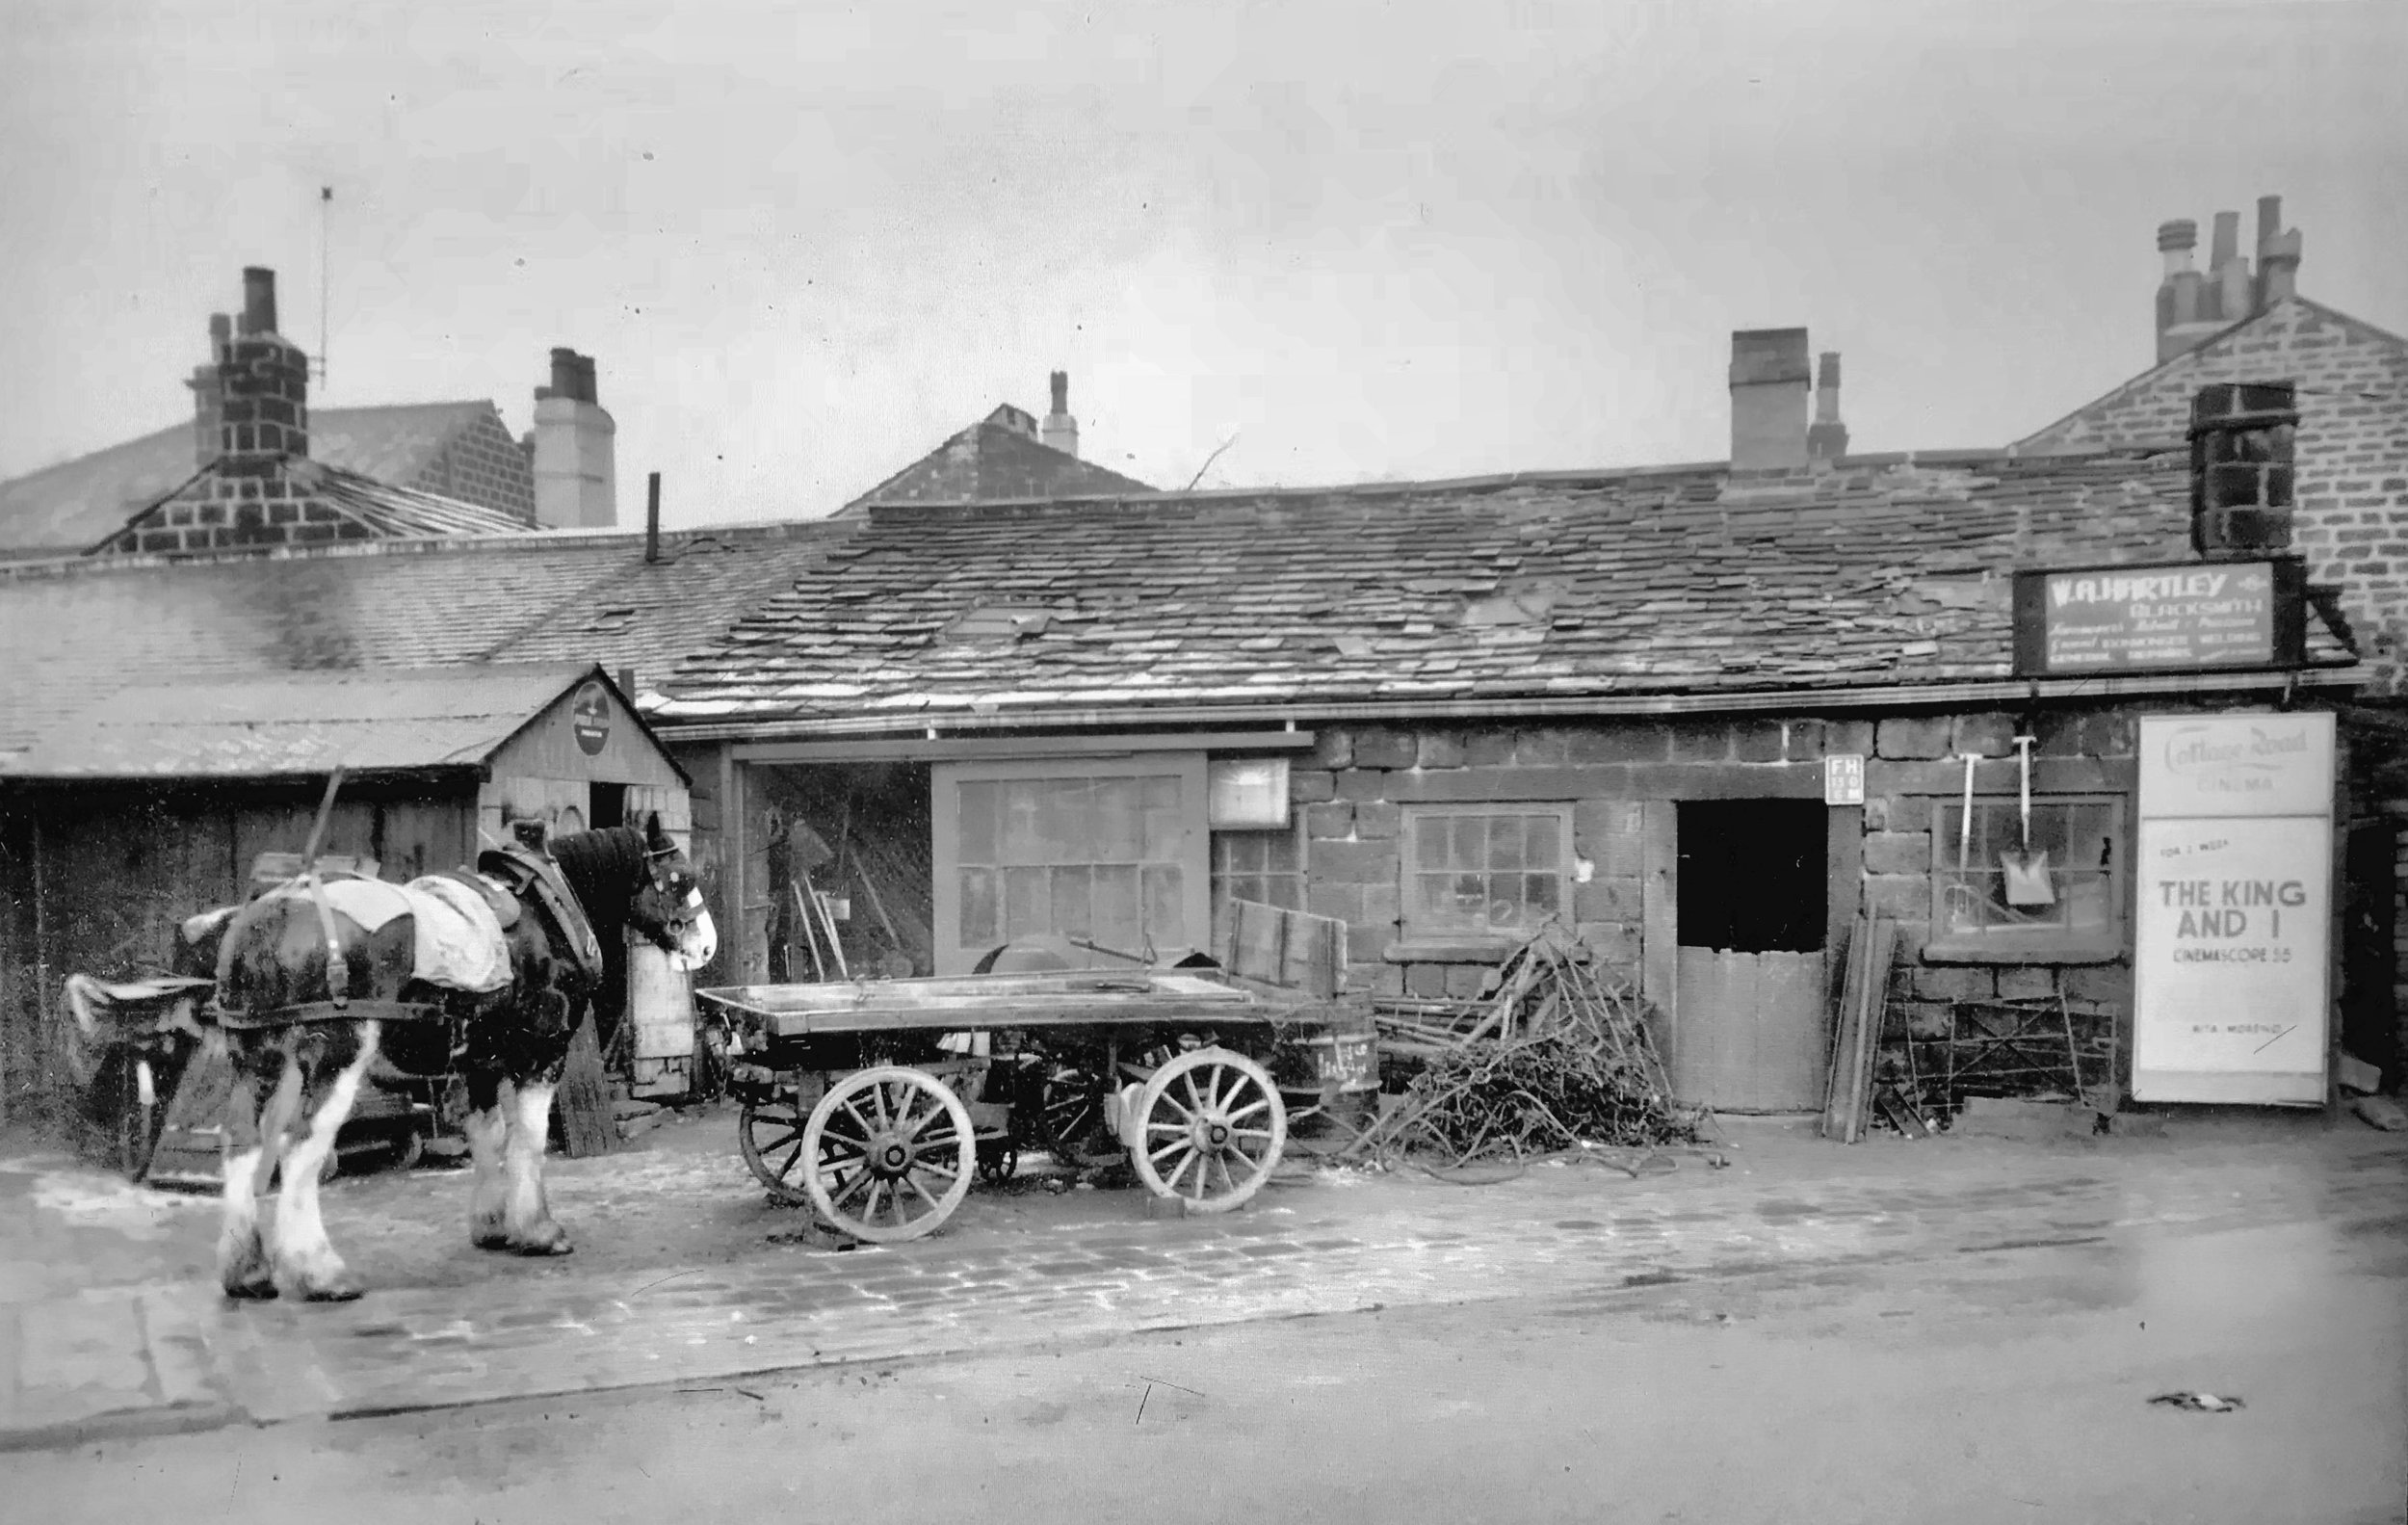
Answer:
(1751, 1031)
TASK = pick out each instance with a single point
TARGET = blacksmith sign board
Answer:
(2182, 615)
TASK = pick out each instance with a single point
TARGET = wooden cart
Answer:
(877, 1101)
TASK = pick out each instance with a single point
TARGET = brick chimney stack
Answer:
(574, 448)
(263, 384)
(1062, 431)
(2278, 256)
(1769, 379)
(1827, 438)
(209, 393)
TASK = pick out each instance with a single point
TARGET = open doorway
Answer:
(1752, 894)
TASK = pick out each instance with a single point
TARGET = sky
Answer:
(1336, 240)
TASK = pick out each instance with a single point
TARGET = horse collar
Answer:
(537, 877)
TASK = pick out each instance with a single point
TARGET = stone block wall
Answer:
(242, 511)
(1352, 789)
(482, 464)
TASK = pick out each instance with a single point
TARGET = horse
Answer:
(308, 999)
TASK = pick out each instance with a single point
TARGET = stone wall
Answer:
(1352, 789)
(482, 464)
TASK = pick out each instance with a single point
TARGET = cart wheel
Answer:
(1211, 1128)
(413, 1148)
(892, 1151)
(769, 1135)
(998, 1160)
(1070, 1108)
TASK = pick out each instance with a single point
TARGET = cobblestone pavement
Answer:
(161, 1350)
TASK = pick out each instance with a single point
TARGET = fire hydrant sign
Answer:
(2234, 909)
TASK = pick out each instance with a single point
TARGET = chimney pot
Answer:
(2270, 218)
(2278, 254)
(1062, 431)
(258, 299)
(1769, 378)
(1827, 438)
(564, 372)
(2227, 245)
(574, 452)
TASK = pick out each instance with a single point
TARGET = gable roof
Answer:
(2154, 404)
(368, 720)
(83, 628)
(1884, 571)
(359, 508)
(76, 503)
(991, 461)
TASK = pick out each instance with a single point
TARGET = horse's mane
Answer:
(604, 869)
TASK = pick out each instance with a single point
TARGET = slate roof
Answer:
(1883, 570)
(991, 461)
(374, 720)
(81, 628)
(76, 503)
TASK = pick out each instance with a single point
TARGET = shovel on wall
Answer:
(2026, 872)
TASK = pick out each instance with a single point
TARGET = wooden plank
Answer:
(584, 1100)
(1659, 905)
(1845, 1021)
(1874, 1009)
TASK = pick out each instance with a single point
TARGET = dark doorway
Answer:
(1752, 875)
(607, 807)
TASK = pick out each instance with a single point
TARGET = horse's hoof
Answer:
(492, 1239)
(549, 1240)
(345, 1290)
(258, 1289)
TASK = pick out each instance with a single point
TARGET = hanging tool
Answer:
(810, 933)
(1963, 902)
(2027, 873)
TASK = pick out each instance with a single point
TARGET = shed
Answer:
(153, 803)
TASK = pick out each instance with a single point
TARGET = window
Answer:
(1109, 855)
(1990, 898)
(1475, 871)
(1265, 866)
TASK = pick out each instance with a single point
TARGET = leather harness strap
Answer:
(538, 877)
(331, 1011)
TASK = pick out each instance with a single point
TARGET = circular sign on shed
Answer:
(589, 716)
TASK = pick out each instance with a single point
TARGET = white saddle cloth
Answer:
(456, 943)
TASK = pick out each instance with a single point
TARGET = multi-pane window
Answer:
(1112, 859)
(1265, 866)
(1471, 870)
(2000, 888)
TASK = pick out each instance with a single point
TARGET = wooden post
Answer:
(1660, 916)
(735, 855)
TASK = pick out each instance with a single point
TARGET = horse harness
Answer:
(503, 878)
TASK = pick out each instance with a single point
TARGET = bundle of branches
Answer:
(1559, 1059)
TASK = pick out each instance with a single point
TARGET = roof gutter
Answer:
(1886, 696)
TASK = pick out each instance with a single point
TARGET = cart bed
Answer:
(959, 1002)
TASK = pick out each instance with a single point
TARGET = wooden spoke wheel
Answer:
(1210, 1128)
(892, 1153)
(1070, 1110)
(769, 1135)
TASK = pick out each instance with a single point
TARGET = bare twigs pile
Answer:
(1558, 1058)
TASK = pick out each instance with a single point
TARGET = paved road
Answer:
(145, 1342)
(1940, 1380)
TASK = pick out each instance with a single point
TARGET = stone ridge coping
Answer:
(75, 564)
(1600, 475)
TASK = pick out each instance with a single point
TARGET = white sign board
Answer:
(1843, 779)
(2234, 909)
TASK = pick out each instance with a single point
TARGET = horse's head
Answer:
(668, 909)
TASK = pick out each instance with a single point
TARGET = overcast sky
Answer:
(1416, 240)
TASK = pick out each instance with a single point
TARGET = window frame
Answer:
(1301, 874)
(945, 781)
(1417, 932)
(2040, 944)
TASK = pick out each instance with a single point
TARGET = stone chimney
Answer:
(1769, 378)
(2278, 254)
(1062, 431)
(1827, 438)
(2193, 308)
(209, 393)
(263, 387)
(2243, 436)
(574, 452)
